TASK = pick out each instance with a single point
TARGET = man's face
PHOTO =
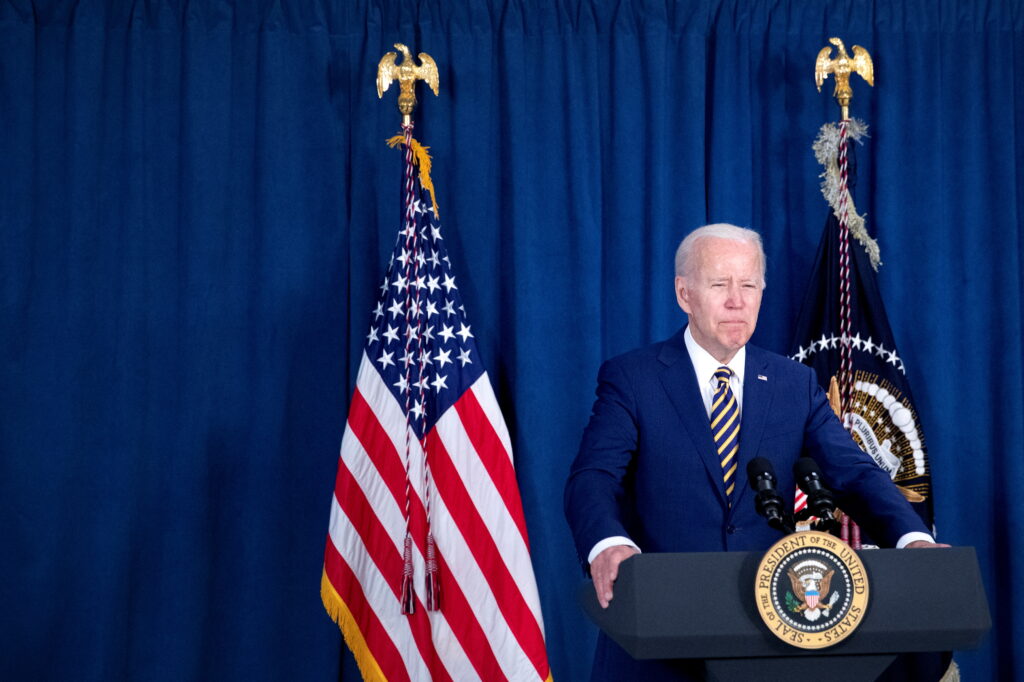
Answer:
(722, 295)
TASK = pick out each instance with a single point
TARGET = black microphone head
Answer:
(759, 465)
(804, 467)
(768, 503)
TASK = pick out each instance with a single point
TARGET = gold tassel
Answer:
(421, 157)
(952, 673)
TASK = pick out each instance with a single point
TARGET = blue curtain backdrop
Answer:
(196, 204)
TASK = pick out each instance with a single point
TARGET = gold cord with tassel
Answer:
(421, 157)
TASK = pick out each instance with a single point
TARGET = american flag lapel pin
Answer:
(762, 377)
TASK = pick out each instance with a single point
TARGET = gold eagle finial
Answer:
(407, 73)
(842, 66)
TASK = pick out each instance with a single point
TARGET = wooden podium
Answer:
(701, 606)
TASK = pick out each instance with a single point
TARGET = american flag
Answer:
(401, 518)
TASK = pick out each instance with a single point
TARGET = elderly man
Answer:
(662, 464)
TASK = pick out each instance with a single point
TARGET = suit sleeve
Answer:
(595, 489)
(862, 488)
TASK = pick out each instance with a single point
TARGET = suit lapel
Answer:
(758, 392)
(680, 384)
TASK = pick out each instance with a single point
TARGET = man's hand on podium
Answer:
(924, 543)
(604, 569)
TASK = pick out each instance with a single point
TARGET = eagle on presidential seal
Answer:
(811, 581)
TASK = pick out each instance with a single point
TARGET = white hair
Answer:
(688, 247)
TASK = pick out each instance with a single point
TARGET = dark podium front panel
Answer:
(701, 605)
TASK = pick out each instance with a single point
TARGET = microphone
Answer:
(819, 499)
(768, 502)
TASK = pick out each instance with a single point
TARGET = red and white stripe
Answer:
(489, 626)
(799, 501)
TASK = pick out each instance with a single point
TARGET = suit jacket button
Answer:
(730, 530)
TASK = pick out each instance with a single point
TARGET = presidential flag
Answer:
(843, 304)
(427, 566)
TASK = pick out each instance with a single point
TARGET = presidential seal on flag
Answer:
(843, 333)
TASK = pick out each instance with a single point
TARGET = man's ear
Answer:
(683, 294)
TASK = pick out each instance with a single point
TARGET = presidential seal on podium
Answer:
(811, 590)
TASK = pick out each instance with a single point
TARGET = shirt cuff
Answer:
(619, 540)
(913, 537)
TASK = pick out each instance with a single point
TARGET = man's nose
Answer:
(734, 297)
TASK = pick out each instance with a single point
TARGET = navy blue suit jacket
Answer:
(648, 469)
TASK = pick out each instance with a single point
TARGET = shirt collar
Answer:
(704, 364)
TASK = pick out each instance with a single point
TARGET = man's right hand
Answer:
(604, 569)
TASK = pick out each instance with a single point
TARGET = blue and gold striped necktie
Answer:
(725, 426)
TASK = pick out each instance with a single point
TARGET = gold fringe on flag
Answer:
(340, 614)
(826, 151)
(421, 157)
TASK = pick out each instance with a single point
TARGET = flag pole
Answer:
(842, 66)
(423, 396)
(407, 73)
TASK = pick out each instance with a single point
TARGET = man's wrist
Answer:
(610, 542)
